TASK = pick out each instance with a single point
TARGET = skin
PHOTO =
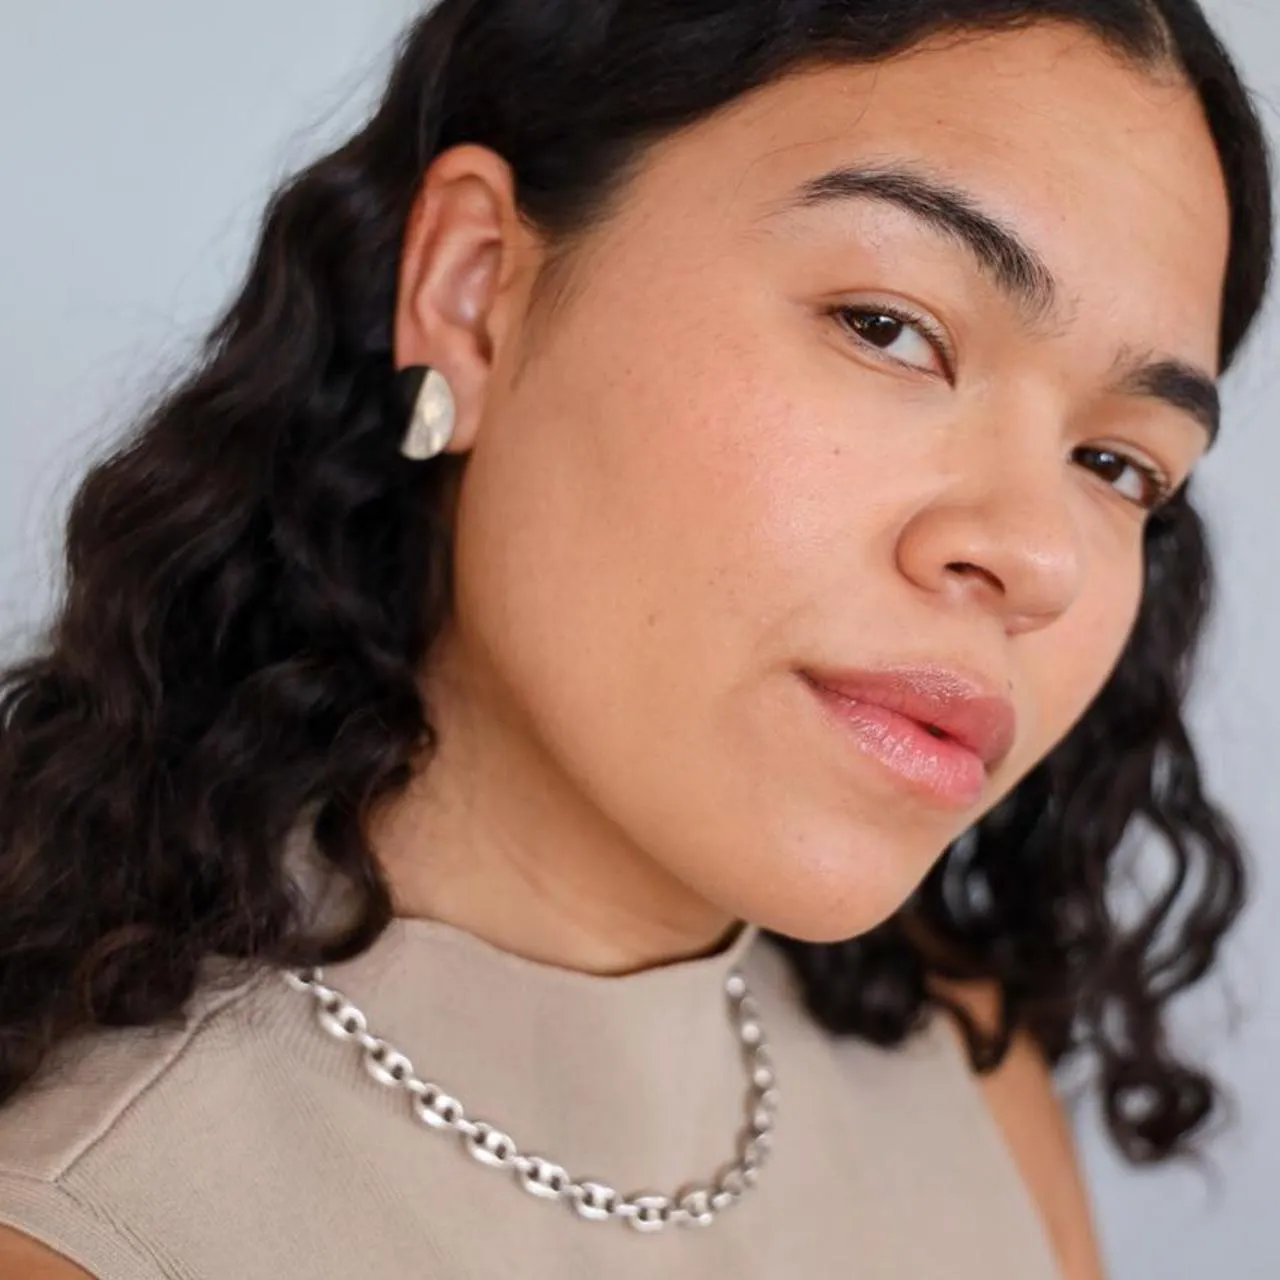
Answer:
(689, 479)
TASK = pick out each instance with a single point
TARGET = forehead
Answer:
(1108, 170)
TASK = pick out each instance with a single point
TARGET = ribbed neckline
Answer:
(707, 971)
(637, 1076)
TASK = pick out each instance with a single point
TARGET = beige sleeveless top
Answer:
(251, 1145)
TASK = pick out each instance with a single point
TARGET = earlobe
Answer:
(432, 412)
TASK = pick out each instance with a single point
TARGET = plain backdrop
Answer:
(139, 140)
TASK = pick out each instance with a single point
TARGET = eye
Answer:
(902, 335)
(1142, 483)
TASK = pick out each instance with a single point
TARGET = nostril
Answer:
(967, 569)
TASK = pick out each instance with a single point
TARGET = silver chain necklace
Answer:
(697, 1204)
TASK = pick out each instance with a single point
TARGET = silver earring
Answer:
(433, 416)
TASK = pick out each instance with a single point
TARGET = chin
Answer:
(820, 922)
(838, 891)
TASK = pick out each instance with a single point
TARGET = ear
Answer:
(456, 301)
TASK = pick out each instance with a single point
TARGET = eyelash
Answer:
(1162, 487)
(903, 315)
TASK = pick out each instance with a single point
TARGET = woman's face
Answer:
(721, 467)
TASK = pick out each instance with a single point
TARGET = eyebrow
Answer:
(1014, 266)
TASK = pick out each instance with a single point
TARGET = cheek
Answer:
(673, 497)
(655, 485)
(1067, 665)
(636, 532)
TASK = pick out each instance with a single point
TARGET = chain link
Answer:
(696, 1205)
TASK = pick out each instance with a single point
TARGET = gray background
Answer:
(139, 140)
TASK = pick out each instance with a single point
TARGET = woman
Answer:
(668, 587)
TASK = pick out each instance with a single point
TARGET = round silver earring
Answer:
(433, 415)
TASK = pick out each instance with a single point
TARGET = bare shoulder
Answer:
(1023, 1100)
(20, 1255)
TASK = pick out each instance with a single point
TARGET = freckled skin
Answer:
(700, 481)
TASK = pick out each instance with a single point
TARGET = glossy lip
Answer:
(967, 711)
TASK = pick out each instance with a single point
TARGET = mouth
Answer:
(933, 730)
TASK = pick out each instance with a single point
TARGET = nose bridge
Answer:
(1002, 525)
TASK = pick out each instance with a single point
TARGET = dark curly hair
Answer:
(255, 577)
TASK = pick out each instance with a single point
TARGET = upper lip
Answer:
(961, 706)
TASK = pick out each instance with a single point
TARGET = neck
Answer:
(491, 839)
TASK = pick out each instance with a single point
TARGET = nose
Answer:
(1002, 537)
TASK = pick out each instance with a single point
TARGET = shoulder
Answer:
(1023, 1101)
(102, 1103)
(20, 1255)
(91, 1082)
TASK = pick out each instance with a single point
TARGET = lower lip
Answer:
(938, 769)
